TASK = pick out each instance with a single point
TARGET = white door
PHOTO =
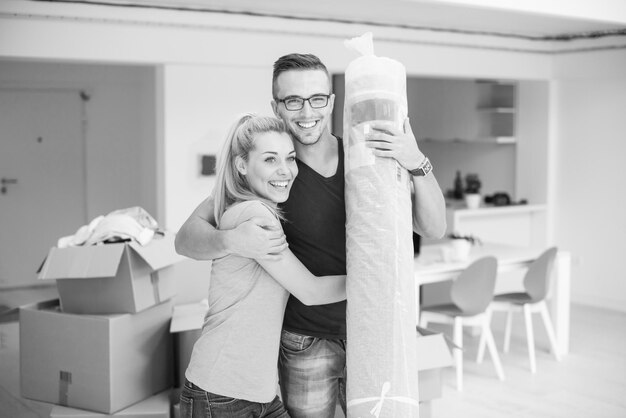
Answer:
(42, 177)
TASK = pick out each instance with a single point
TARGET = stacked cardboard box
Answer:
(157, 406)
(124, 277)
(106, 344)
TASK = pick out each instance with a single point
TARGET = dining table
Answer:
(435, 263)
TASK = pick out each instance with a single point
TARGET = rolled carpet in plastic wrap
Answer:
(381, 349)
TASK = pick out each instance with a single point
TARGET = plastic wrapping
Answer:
(381, 349)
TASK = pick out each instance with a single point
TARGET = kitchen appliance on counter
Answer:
(499, 199)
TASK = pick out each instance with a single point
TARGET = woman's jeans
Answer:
(312, 375)
(197, 403)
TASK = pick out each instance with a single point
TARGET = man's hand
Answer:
(257, 238)
(390, 142)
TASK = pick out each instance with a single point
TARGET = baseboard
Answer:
(600, 302)
(29, 286)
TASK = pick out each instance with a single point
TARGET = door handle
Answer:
(4, 182)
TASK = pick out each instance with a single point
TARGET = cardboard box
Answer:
(186, 327)
(157, 406)
(112, 278)
(433, 355)
(100, 363)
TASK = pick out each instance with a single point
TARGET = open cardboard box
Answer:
(157, 406)
(112, 278)
(101, 363)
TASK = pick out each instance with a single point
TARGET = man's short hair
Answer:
(296, 62)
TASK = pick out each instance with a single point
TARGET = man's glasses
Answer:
(297, 103)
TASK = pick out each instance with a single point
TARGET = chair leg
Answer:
(493, 351)
(481, 348)
(458, 353)
(530, 338)
(507, 329)
(482, 342)
(543, 309)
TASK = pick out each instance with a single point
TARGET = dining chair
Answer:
(531, 300)
(470, 295)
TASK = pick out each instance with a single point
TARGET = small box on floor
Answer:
(101, 363)
(433, 355)
(157, 406)
(112, 278)
(186, 326)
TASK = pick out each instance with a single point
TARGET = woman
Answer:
(233, 367)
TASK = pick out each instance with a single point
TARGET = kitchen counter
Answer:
(520, 225)
(486, 209)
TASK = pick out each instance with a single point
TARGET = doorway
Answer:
(42, 177)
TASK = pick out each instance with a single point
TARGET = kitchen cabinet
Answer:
(517, 225)
(452, 110)
(496, 111)
(463, 110)
(496, 128)
(443, 110)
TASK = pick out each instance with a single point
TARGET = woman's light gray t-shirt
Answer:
(237, 352)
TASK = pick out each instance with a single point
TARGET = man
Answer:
(313, 346)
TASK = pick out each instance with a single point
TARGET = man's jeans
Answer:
(196, 403)
(312, 375)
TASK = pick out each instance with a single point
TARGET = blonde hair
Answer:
(232, 186)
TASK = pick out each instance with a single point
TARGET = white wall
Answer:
(533, 116)
(201, 101)
(589, 194)
(204, 59)
(200, 104)
(119, 132)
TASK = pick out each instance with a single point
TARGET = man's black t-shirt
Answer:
(316, 233)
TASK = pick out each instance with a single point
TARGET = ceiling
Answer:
(437, 15)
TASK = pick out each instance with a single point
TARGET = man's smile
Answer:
(307, 125)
